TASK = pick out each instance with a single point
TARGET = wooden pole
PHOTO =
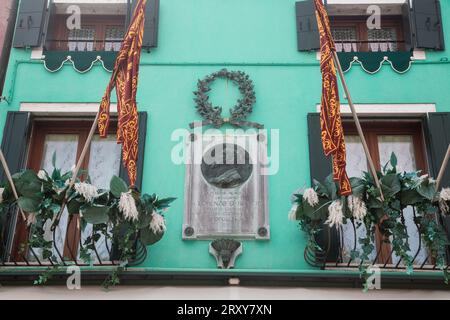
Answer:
(443, 168)
(77, 169)
(358, 124)
(11, 182)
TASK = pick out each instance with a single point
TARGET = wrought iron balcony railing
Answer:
(83, 45)
(65, 245)
(369, 46)
(332, 248)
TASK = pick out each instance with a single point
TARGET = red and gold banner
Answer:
(330, 115)
(125, 80)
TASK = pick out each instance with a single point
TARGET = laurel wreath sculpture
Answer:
(213, 115)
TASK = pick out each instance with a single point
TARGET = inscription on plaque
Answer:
(225, 192)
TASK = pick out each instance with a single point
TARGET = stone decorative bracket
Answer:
(225, 251)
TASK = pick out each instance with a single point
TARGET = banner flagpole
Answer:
(357, 123)
(11, 182)
(124, 78)
(329, 63)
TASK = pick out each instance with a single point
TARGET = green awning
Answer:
(81, 61)
(372, 62)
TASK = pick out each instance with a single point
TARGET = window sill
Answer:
(311, 278)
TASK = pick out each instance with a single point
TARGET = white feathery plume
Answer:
(88, 191)
(42, 175)
(1, 194)
(357, 207)
(72, 169)
(127, 206)
(444, 196)
(335, 214)
(292, 216)
(158, 223)
(31, 219)
(310, 195)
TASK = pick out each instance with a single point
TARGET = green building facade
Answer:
(261, 38)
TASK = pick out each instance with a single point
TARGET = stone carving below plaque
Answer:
(225, 251)
(226, 190)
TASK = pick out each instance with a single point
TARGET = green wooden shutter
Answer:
(131, 7)
(151, 24)
(438, 134)
(128, 13)
(14, 146)
(151, 27)
(439, 140)
(15, 141)
(30, 23)
(307, 30)
(320, 168)
(428, 24)
(407, 30)
(140, 163)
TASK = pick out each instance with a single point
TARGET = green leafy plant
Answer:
(129, 219)
(314, 208)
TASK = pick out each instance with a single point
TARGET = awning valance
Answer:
(81, 61)
(372, 62)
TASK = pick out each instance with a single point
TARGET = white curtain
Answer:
(65, 146)
(113, 37)
(356, 165)
(81, 39)
(345, 39)
(403, 147)
(104, 162)
(383, 39)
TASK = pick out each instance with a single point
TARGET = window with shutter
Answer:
(65, 139)
(405, 139)
(102, 28)
(403, 27)
(351, 34)
(418, 145)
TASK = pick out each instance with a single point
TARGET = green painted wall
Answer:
(196, 38)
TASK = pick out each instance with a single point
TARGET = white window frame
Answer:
(395, 110)
(64, 108)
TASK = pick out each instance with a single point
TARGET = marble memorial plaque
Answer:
(225, 188)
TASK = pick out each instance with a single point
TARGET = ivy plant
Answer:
(121, 215)
(400, 191)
